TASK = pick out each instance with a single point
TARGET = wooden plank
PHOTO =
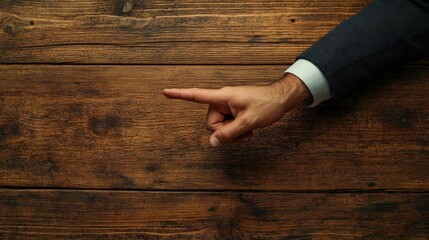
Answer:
(110, 127)
(44, 214)
(164, 31)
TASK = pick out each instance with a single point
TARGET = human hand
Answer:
(234, 112)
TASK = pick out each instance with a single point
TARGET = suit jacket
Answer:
(384, 35)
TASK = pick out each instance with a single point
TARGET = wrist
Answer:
(293, 92)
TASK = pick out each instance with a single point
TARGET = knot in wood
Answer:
(128, 6)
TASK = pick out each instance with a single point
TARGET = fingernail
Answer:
(214, 142)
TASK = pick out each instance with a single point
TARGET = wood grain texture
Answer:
(355, 169)
(110, 127)
(43, 214)
(164, 31)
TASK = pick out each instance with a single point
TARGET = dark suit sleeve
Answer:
(384, 35)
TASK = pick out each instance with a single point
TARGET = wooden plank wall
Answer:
(90, 149)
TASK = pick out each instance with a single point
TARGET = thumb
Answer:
(229, 132)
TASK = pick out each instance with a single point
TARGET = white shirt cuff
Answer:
(313, 78)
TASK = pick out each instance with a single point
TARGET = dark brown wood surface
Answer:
(90, 149)
(164, 31)
(53, 214)
(110, 127)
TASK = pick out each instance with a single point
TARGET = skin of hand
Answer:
(234, 112)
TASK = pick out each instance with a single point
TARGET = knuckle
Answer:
(224, 136)
(193, 90)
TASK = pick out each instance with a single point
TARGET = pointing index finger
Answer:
(198, 95)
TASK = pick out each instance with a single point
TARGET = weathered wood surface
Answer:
(44, 214)
(355, 169)
(110, 127)
(164, 31)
